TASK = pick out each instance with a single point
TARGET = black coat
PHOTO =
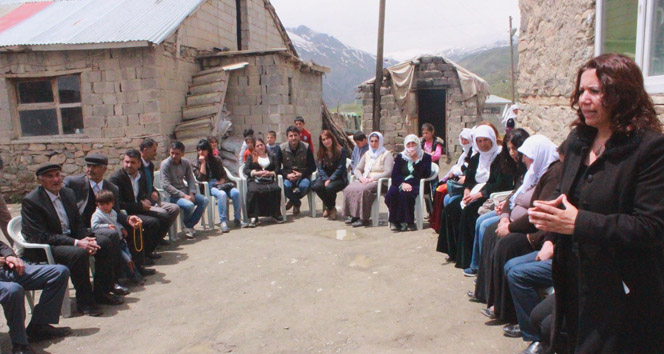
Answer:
(83, 194)
(40, 222)
(251, 165)
(609, 275)
(126, 200)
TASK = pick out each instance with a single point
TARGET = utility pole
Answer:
(378, 80)
(512, 32)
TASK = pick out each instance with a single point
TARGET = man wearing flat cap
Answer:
(50, 216)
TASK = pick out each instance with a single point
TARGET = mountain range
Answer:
(351, 66)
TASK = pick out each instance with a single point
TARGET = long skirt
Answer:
(466, 236)
(358, 199)
(486, 259)
(438, 199)
(401, 204)
(263, 199)
(508, 247)
(452, 220)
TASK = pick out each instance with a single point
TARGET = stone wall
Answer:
(556, 38)
(397, 122)
(260, 96)
(212, 25)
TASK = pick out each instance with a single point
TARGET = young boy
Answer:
(305, 135)
(271, 139)
(107, 218)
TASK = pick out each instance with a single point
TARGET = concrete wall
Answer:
(556, 38)
(397, 122)
(263, 32)
(258, 95)
(212, 25)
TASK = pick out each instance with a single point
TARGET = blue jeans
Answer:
(448, 199)
(481, 224)
(222, 202)
(303, 184)
(524, 276)
(191, 212)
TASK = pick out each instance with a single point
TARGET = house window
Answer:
(49, 106)
(634, 28)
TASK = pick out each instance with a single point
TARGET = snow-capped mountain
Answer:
(460, 53)
(349, 66)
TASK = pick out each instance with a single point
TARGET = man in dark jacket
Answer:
(50, 216)
(17, 277)
(297, 166)
(167, 213)
(133, 199)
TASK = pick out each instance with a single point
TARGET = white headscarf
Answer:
(510, 113)
(372, 154)
(467, 134)
(486, 158)
(543, 152)
(404, 154)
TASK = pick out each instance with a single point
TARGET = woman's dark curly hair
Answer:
(629, 106)
(507, 164)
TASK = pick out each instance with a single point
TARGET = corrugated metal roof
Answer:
(91, 21)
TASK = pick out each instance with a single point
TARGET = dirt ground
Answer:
(306, 286)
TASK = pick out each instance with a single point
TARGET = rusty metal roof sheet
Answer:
(79, 22)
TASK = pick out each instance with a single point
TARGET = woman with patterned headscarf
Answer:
(410, 166)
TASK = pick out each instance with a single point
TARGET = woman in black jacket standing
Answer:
(608, 267)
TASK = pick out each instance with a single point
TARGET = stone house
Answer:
(427, 89)
(90, 75)
(556, 38)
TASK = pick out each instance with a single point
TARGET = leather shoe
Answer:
(145, 271)
(108, 299)
(44, 331)
(164, 242)
(296, 210)
(488, 313)
(120, 290)
(533, 348)
(512, 331)
(90, 310)
(154, 255)
(22, 349)
(289, 205)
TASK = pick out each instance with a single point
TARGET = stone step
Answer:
(193, 112)
(208, 78)
(211, 70)
(216, 86)
(204, 99)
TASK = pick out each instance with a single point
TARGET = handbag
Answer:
(454, 188)
(226, 186)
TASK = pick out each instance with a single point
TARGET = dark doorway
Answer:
(431, 109)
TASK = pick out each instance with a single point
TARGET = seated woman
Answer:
(209, 168)
(514, 166)
(332, 176)
(485, 175)
(360, 195)
(514, 236)
(410, 166)
(263, 192)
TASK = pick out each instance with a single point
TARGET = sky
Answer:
(411, 26)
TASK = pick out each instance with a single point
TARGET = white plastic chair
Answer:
(14, 229)
(419, 202)
(213, 199)
(243, 191)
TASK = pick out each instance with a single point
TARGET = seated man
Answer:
(50, 216)
(131, 185)
(17, 277)
(85, 189)
(361, 146)
(298, 165)
(175, 171)
(166, 212)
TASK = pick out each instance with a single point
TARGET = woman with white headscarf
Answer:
(515, 236)
(410, 166)
(466, 141)
(484, 176)
(360, 195)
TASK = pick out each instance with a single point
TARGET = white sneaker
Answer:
(189, 232)
(224, 227)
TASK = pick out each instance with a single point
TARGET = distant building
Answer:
(556, 38)
(100, 75)
(428, 89)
